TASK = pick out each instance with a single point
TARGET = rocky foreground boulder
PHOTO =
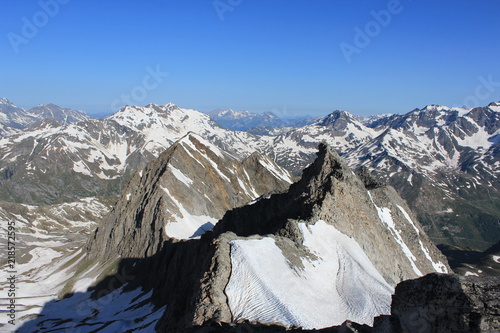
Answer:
(444, 303)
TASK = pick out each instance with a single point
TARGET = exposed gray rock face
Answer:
(182, 194)
(444, 303)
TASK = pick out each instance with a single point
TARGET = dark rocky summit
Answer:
(444, 303)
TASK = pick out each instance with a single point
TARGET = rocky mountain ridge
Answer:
(181, 195)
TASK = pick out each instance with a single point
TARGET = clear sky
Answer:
(292, 57)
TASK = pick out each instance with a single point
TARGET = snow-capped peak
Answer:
(442, 108)
(335, 116)
(5, 101)
(341, 113)
(435, 107)
(230, 114)
(171, 105)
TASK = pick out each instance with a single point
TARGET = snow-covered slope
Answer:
(122, 311)
(162, 125)
(48, 246)
(337, 282)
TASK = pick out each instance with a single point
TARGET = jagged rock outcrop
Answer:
(444, 303)
(376, 218)
(180, 195)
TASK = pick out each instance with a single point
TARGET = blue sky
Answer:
(261, 55)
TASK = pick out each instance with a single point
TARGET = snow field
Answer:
(338, 282)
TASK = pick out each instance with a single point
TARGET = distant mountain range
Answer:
(443, 161)
(16, 117)
(266, 123)
(243, 120)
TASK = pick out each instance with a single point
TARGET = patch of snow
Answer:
(410, 178)
(187, 226)
(81, 167)
(180, 176)
(438, 266)
(339, 283)
(275, 170)
(385, 216)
